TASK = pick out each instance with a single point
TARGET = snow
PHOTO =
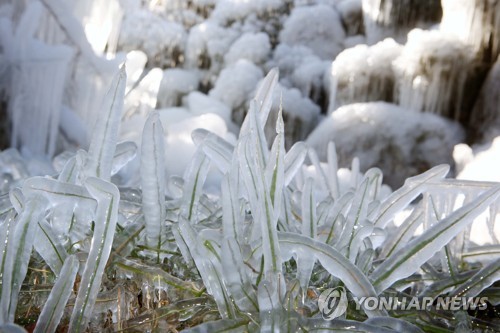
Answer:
(160, 39)
(324, 37)
(235, 86)
(175, 84)
(254, 47)
(398, 141)
(482, 163)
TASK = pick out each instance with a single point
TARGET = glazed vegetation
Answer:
(79, 254)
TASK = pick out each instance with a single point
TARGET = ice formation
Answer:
(432, 73)
(411, 141)
(475, 22)
(364, 74)
(395, 18)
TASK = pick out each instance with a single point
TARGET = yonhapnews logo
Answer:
(333, 303)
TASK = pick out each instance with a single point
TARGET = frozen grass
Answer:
(253, 257)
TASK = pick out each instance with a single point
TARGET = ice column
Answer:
(384, 18)
(36, 97)
(431, 73)
(364, 74)
(476, 22)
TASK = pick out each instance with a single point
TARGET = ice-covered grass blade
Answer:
(194, 178)
(53, 309)
(19, 248)
(222, 326)
(400, 236)
(412, 188)
(105, 135)
(355, 220)
(217, 149)
(124, 153)
(294, 159)
(486, 276)
(49, 247)
(106, 215)
(333, 168)
(275, 169)
(309, 229)
(7, 227)
(237, 278)
(404, 263)
(263, 100)
(153, 180)
(333, 261)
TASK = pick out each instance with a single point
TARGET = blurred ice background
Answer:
(402, 85)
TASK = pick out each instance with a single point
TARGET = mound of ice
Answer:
(401, 143)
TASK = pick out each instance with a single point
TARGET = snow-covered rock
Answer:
(163, 41)
(318, 27)
(400, 142)
(300, 68)
(175, 84)
(254, 47)
(235, 86)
